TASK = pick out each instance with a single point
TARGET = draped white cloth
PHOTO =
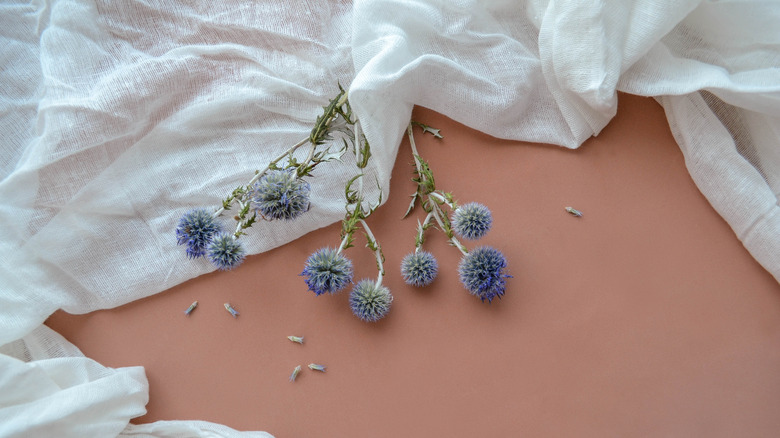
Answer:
(117, 117)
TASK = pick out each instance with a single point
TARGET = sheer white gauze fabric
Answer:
(117, 117)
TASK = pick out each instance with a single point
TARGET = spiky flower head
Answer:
(369, 301)
(280, 194)
(195, 229)
(419, 268)
(482, 273)
(472, 221)
(225, 252)
(327, 270)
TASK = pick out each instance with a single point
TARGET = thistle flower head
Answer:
(280, 194)
(327, 270)
(195, 229)
(419, 268)
(472, 221)
(369, 301)
(225, 252)
(482, 273)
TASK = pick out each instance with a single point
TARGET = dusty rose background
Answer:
(645, 317)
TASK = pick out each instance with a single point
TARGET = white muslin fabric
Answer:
(117, 117)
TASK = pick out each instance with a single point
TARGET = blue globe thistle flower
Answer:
(482, 273)
(327, 271)
(419, 268)
(195, 229)
(370, 302)
(472, 221)
(225, 252)
(280, 194)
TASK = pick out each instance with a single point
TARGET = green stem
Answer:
(421, 232)
(343, 244)
(377, 252)
(454, 240)
(435, 207)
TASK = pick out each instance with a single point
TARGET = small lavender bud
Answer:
(195, 229)
(317, 367)
(327, 271)
(225, 252)
(419, 268)
(295, 373)
(296, 339)
(482, 273)
(370, 302)
(472, 221)
(279, 194)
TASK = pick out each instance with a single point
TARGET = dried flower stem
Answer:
(358, 215)
(434, 199)
(453, 240)
(358, 156)
(343, 244)
(421, 227)
(444, 200)
(373, 244)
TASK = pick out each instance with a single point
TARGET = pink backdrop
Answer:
(645, 317)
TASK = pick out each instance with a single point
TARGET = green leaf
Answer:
(249, 221)
(327, 155)
(365, 154)
(414, 197)
(319, 134)
(428, 129)
(426, 181)
(370, 243)
(352, 196)
(305, 170)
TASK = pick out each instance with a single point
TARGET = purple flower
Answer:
(225, 252)
(327, 271)
(195, 229)
(482, 273)
(369, 301)
(279, 194)
(472, 221)
(419, 268)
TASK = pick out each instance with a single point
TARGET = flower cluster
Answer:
(328, 270)
(280, 191)
(278, 194)
(481, 271)
(274, 193)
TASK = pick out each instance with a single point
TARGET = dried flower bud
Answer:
(472, 221)
(225, 252)
(482, 273)
(369, 301)
(327, 270)
(280, 194)
(419, 268)
(196, 229)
